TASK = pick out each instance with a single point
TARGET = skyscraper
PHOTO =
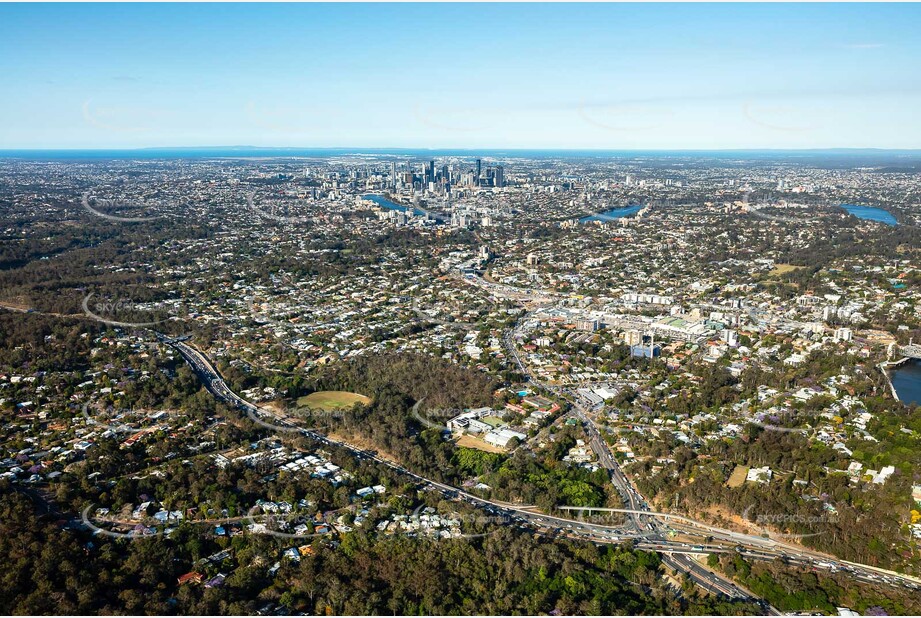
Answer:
(479, 168)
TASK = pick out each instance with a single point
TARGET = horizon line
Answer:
(458, 148)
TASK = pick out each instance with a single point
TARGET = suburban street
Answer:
(644, 531)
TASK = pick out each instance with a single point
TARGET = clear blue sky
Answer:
(450, 75)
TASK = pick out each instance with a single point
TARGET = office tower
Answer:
(393, 174)
(499, 176)
(479, 169)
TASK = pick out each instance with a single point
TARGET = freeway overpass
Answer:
(642, 527)
(583, 530)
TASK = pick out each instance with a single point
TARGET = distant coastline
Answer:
(905, 157)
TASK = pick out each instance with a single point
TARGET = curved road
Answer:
(644, 528)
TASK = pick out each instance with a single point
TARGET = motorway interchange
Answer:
(643, 527)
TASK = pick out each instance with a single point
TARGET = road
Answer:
(638, 524)
(644, 530)
(564, 526)
(751, 546)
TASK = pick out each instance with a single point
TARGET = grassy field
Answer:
(469, 441)
(737, 477)
(331, 400)
(781, 269)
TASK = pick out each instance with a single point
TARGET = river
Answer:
(614, 213)
(383, 202)
(871, 213)
(907, 382)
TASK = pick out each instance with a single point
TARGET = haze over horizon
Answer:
(610, 77)
(447, 150)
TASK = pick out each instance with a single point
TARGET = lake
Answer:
(907, 382)
(871, 214)
(614, 213)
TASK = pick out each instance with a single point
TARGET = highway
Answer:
(750, 546)
(578, 529)
(638, 524)
(643, 527)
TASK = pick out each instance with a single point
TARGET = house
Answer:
(535, 419)
(141, 510)
(216, 582)
(192, 577)
(759, 475)
(469, 421)
(883, 475)
(502, 437)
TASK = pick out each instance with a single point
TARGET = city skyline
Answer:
(460, 309)
(593, 77)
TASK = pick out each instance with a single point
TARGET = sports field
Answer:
(331, 400)
(737, 477)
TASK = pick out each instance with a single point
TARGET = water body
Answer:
(907, 382)
(871, 214)
(385, 203)
(614, 213)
